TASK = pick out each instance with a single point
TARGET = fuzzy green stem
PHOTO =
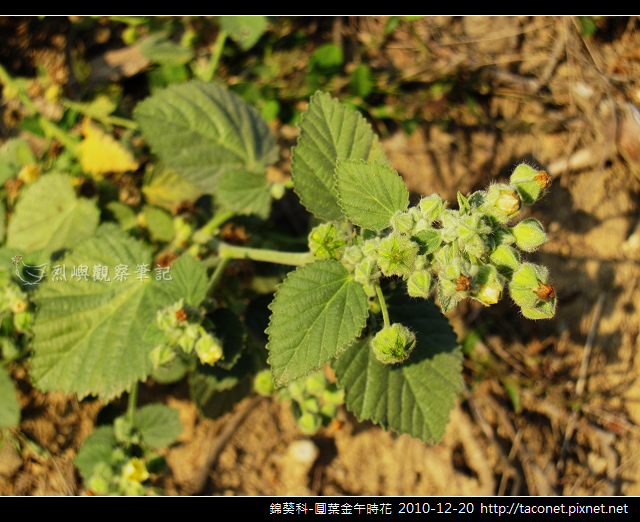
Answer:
(383, 306)
(131, 404)
(258, 254)
(215, 56)
(224, 261)
(203, 235)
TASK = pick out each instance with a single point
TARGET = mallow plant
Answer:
(362, 298)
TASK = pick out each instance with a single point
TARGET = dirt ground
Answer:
(550, 407)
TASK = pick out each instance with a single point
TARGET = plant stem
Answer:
(203, 235)
(215, 56)
(257, 254)
(224, 261)
(383, 306)
(131, 404)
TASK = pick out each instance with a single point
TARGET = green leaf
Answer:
(3, 220)
(159, 49)
(318, 311)
(361, 83)
(370, 193)
(245, 192)
(189, 280)
(327, 56)
(216, 390)
(159, 223)
(158, 424)
(124, 214)
(89, 334)
(329, 130)
(204, 131)
(49, 216)
(9, 407)
(244, 30)
(414, 397)
(166, 188)
(96, 449)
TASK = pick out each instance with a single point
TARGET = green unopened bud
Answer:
(189, 337)
(530, 291)
(208, 348)
(310, 405)
(505, 259)
(366, 272)
(450, 225)
(161, 355)
(327, 241)
(263, 383)
(333, 395)
(429, 240)
(169, 318)
(529, 235)
(393, 344)
(489, 285)
(432, 208)
(396, 255)
(504, 236)
(309, 423)
(402, 222)
(328, 412)
(23, 321)
(419, 284)
(370, 247)
(353, 255)
(99, 485)
(529, 182)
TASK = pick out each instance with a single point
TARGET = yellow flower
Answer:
(101, 153)
(135, 470)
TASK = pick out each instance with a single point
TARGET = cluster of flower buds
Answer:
(466, 253)
(314, 400)
(186, 335)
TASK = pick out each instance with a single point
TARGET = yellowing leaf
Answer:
(100, 153)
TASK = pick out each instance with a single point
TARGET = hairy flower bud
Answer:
(450, 225)
(327, 241)
(263, 383)
(502, 203)
(366, 272)
(396, 255)
(419, 284)
(353, 255)
(402, 222)
(529, 182)
(506, 259)
(529, 234)
(161, 355)
(393, 344)
(432, 208)
(530, 291)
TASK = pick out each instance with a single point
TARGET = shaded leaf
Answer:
(244, 30)
(245, 192)
(97, 448)
(166, 188)
(158, 424)
(414, 397)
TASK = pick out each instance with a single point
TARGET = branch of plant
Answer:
(225, 250)
(383, 306)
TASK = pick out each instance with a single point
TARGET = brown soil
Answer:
(550, 407)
